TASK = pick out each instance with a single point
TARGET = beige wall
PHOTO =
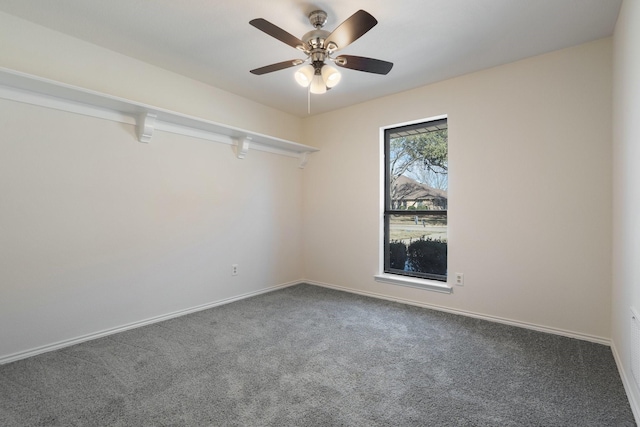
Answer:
(626, 188)
(99, 230)
(529, 190)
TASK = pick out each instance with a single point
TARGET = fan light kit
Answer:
(318, 83)
(319, 45)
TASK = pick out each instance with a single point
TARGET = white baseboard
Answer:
(66, 343)
(555, 331)
(628, 384)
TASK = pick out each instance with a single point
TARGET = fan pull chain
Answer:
(309, 100)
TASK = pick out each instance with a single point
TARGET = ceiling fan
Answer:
(319, 45)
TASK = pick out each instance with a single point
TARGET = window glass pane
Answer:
(418, 243)
(418, 169)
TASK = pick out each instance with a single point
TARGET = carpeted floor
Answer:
(310, 356)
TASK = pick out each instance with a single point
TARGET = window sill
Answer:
(412, 282)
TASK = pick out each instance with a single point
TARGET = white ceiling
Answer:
(427, 40)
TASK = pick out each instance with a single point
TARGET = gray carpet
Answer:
(309, 356)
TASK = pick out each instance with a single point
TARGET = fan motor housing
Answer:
(315, 38)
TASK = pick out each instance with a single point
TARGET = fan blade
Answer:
(276, 32)
(276, 67)
(361, 63)
(351, 29)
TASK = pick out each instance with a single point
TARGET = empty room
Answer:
(332, 213)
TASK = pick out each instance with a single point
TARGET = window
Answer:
(415, 206)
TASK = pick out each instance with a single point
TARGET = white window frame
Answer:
(396, 279)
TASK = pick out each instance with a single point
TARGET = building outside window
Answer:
(415, 212)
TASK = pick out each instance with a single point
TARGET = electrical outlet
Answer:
(234, 269)
(460, 279)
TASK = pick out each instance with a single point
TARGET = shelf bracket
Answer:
(304, 158)
(146, 126)
(242, 146)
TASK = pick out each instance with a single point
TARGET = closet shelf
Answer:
(21, 87)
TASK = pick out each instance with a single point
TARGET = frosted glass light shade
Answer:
(304, 75)
(331, 76)
(317, 85)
